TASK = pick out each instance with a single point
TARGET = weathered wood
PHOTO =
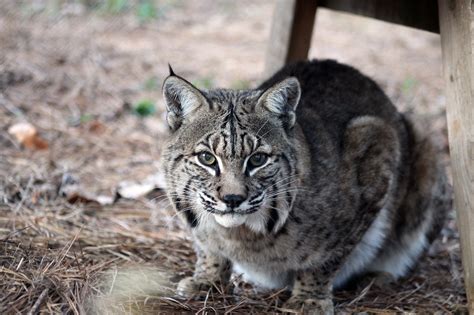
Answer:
(457, 38)
(293, 21)
(291, 31)
(422, 14)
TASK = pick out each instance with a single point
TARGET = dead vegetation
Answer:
(76, 76)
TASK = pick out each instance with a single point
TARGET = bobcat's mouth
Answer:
(232, 211)
(232, 217)
(216, 208)
(247, 213)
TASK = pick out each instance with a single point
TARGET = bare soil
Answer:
(76, 71)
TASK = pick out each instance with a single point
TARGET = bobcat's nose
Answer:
(233, 201)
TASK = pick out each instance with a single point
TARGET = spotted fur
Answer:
(346, 185)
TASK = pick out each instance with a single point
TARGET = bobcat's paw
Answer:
(307, 305)
(191, 286)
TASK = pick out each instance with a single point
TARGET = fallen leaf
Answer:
(96, 127)
(74, 192)
(131, 190)
(27, 135)
(158, 179)
(135, 190)
(105, 199)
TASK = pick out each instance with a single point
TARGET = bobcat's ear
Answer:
(282, 99)
(182, 100)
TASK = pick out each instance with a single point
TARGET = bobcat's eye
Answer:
(257, 160)
(207, 158)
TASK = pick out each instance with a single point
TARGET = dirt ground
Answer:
(77, 70)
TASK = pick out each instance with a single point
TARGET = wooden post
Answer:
(457, 39)
(290, 37)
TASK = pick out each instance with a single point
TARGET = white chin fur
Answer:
(230, 220)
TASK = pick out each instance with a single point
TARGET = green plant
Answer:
(113, 6)
(144, 108)
(151, 83)
(146, 11)
(240, 84)
(204, 82)
(408, 85)
(85, 118)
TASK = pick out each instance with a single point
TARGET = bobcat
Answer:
(305, 182)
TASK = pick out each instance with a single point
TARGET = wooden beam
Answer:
(457, 39)
(290, 37)
(422, 14)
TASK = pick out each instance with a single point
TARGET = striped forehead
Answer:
(232, 138)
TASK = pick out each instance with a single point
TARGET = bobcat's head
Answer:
(230, 158)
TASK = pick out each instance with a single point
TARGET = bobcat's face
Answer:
(230, 157)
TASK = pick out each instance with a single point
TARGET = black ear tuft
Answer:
(171, 70)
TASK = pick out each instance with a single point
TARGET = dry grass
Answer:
(75, 73)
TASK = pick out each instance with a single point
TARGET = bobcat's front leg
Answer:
(311, 294)
(210, 269)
